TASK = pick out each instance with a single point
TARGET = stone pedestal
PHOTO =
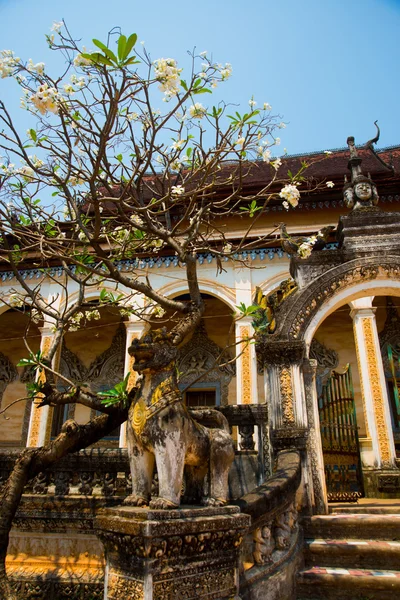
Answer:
(164, 555)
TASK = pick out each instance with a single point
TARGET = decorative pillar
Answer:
(317, 489)
(134, 329)
(381, 451)
(246, 364)
(39, 431)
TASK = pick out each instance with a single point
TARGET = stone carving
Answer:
(282, 532)
(161, 429)
(122, 587)
(246, 437)
(106, 370)
(198, 358)
(264, 544)
(8, 374)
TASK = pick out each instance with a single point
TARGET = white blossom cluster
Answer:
(90, 315)
(35, 68)
(15, 301)
(197, 111)
(306, 247)
(177, 191)
(290, 194)
(46, 99)
(7, 63)
(168, 74)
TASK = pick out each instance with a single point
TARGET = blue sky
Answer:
(329, 67)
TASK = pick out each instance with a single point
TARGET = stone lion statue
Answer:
(162, 431)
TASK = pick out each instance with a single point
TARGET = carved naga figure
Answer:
(162, 430)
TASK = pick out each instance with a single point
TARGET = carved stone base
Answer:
(165, 555)
(382, 483)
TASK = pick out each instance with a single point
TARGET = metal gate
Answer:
(339, 435)
(394, 391)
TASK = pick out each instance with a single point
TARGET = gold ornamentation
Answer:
(361, 381)
(286, 389)
(139, 417)
(124, 587)
(246, 365)
(376, 388)
(37, 412)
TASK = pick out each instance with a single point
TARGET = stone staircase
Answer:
(352, 553)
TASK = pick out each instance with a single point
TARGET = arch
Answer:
(370, 288)
(220, 292)
(303, 311)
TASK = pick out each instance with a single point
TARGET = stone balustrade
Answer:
(272, 551)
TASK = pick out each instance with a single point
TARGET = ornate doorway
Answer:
(339, 436)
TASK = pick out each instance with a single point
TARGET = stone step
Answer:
(352, 527)
(366, 506)
(359, 554)
(347, 584)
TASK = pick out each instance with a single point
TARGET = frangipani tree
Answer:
(101, 177)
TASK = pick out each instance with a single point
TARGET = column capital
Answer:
(362, 312)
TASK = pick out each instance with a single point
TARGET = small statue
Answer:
(282, 532)
(361, 192)
(263, 545)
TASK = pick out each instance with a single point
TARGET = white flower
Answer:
(57, 26)
(38, 67)
(197, 111)
(7, 63)
(46, 99)
(266, 154)
(27, 172)
(73, 180)
(80, 61)
(37, 163)
(69, 89)
(304, 250)
(282, 125)
(203, 54)
(15, 301)
(168, 74)
(176, 165)
(83, 237)
(276, 163)
(158, 312)
(240, 141)
(329, 184)
(132, 116)
(267, 106)
(227, 248)
(277, 141)
(178, 144)
(291, 194)
(252, 103)
(327, 152)
(137, 220)
(225, 71)
(177, 191)
(285, 205)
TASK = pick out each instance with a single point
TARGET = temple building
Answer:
(313, 405)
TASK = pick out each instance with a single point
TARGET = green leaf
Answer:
(119, 157)
(184, 85)
(103, 60)
(129, 45)
(33, 134)
(131, 61)
(202, 91)
(109, 53)
(121, 47)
